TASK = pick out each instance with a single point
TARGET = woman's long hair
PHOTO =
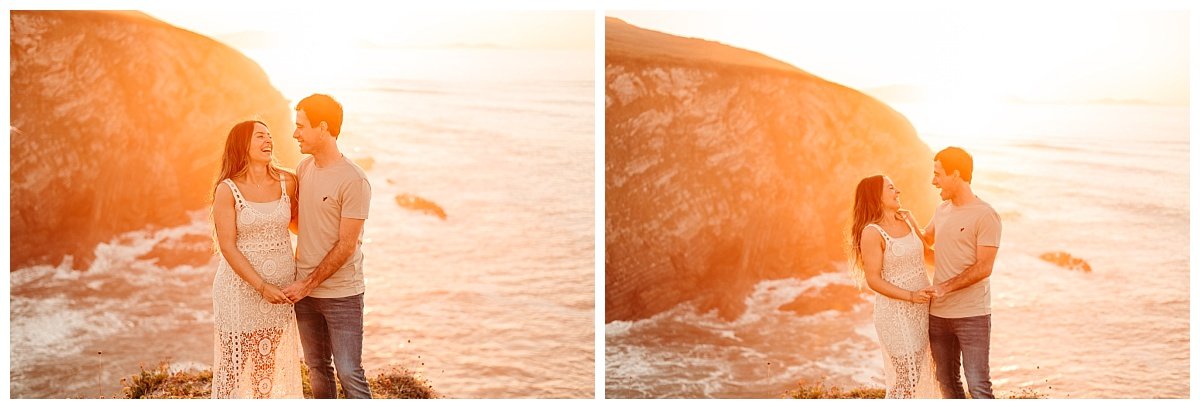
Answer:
(868, 208)
(235, 162)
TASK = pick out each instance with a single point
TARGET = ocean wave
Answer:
(63, 316)
(545, 110)
(617, 328)
(43, 328)
(1052, 147)
(125, 251)
(683, 352)
(407, 90)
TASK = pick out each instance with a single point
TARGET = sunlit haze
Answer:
(301, 53)
(389, 28)
(964, 57)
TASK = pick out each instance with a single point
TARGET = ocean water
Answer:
(1105, 183)
(495, 301)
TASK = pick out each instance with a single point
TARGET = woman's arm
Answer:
(225, 220)
(872, 259)
(926, 236)
(293, 192)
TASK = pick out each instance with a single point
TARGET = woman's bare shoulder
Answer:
(222, 190)
(871, 236)
(223, 196)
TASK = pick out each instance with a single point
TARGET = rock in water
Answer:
(118, 121)
(420, 204)
(1067, 261)
(833, 297)
(725, 167)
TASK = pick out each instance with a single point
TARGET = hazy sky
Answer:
(1032, 54)
(397, 27)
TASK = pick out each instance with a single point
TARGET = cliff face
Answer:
(118, 121)
(725, 167)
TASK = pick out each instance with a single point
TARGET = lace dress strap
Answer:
(283, 188)
(883, 232)
(238, 201)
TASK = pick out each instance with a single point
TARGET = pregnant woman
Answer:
(887, 254)
(257, 342)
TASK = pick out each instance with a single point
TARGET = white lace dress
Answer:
(256, 342)
(903, 327)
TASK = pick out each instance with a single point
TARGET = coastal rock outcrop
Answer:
(724, 167)
(118, 121)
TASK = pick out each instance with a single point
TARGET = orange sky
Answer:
(964, 55)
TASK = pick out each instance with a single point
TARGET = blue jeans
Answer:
(333, 327)
(970, 338)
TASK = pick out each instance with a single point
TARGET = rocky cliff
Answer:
(725, 167)
(118, 121)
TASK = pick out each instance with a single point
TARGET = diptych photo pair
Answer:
(600, 205)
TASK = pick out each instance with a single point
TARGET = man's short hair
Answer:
(321, 107)
(955, 158)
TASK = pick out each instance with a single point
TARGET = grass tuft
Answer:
(161, 383)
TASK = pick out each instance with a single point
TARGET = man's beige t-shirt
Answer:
(326, 196)
(958, 232)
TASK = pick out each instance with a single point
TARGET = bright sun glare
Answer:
(959, 56)
(302, 50)
(959, 71)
